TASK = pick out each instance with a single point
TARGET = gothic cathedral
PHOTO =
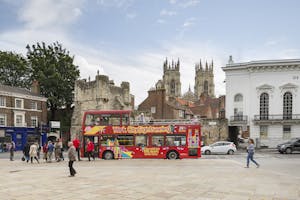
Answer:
(171, 78)
(204, 80)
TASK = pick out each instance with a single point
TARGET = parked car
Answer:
(289, 146)
(221, 147)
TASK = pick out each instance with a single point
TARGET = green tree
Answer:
(14, 70)
(53, 68)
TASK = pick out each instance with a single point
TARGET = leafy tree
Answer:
(53, 68)
(14, 70)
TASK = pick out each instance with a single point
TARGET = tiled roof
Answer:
(10, 89)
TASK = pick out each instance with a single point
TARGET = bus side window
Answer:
(141, 140)
(158, 140)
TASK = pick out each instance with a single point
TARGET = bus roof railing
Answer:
(164, 121)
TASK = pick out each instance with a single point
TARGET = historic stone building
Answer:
(171, 79)
(204, 80)
(165, 101)
(101, 94)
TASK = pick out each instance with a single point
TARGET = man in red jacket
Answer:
(76, 144)
(90, 149)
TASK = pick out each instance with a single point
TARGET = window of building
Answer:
(181, 113)
(287, 105)
(34, 121)
(173, 87)
(19, 103)
(205, 87)
(2, 120)
(19, 120)
(263, 132)
(238, 98)
(153, 109)
(158, 140)
(33, 105)
(286, 132)
(264, 106)
(2, 102)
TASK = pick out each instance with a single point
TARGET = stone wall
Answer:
(100, 94)
(214, 130)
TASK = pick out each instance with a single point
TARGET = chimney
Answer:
(35, 87)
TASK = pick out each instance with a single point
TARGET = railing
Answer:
(165, 121)
(276, 119)
(239, 118)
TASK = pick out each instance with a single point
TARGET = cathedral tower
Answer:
(171, 78)
(204, 80)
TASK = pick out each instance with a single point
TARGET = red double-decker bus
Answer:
(116, 136)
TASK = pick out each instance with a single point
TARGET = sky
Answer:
(128, 40)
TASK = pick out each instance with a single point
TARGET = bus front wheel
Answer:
(172, 155)
(108, 155)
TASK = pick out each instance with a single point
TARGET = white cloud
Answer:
(122, 4)
(189, 3)
(42, 14)
(173, 1)
(189, 22)
(131, 15)
(161, 21)
(167, 13)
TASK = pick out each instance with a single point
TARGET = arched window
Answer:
(287, 105)
(205, 87)
(264, 106)
(172, 87)
(238, 98)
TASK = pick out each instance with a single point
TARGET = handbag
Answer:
(23, 158)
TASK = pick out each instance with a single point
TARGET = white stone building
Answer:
(263, 100)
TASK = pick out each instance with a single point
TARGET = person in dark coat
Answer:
(26, 151)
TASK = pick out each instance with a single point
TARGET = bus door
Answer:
(193, 142)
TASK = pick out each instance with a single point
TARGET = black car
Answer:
(290, 146)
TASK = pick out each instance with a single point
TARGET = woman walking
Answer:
(33, 152)
(250, 150)
(72, 158)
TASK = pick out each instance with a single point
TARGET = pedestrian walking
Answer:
(76, 144)
(33, 152)
(57, 147)
(50, 150)
(26, 151)
(12, 148)
(72, 158)
(90, 149)
(251, 150)
(45, 151)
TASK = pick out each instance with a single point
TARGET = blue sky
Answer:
(128, 40)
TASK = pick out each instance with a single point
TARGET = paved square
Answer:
(205, 178)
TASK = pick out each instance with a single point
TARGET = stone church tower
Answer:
(171, 79)
(204, 80)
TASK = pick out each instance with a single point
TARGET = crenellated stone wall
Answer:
(99, 94)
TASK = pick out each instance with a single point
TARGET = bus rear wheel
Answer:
(172, 155)
(108, 155)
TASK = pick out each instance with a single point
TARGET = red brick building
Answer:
(22, 114)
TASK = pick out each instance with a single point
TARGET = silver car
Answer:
(221, 147)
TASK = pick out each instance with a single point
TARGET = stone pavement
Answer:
(188, 179)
